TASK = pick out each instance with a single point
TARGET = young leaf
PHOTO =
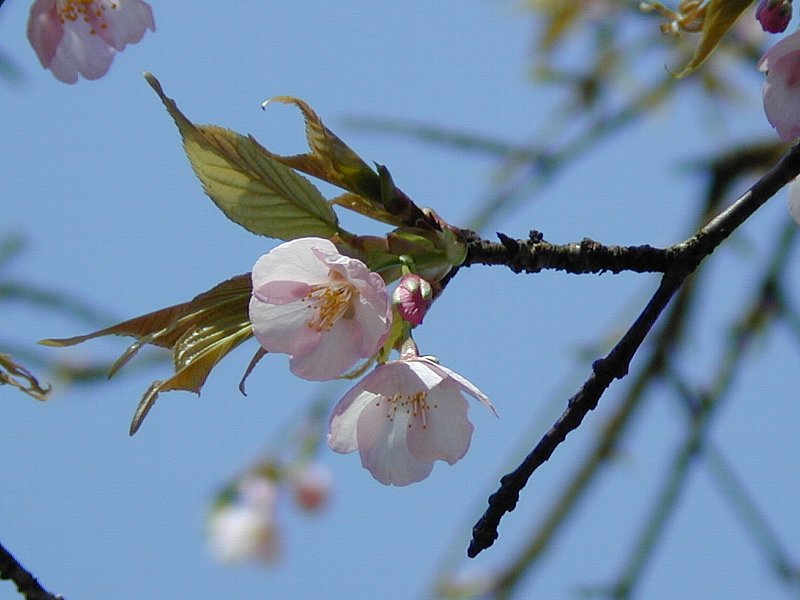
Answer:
(13, 373)
(720, 16)
(195, 356)
(199, 332)
(248, 184)
(333, 161)
(330, 158)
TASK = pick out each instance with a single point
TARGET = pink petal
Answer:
(293, 261)
(78, 53)
(444, 431)
(794, 200)
(344, 419)
(791, 43)
(781, 95)
(383, 447)
(282, 328)
(335, 353)
(44, 30)
(281, 292)
(127, 22)
(464, 384)
(374, 324)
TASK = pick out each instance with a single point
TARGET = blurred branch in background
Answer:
(605, 92)
(768, 305)
(16, 293)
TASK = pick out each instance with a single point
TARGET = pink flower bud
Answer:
(312, 487)
(412, 297)
(774, 15)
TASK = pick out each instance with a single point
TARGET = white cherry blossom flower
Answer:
(243, 533)
(781, 90)
(403, 416)
(324, 309)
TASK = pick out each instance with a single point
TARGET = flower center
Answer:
(90, 12)
(330, 302)
(414, 405)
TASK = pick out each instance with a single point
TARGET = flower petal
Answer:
(794, 199)
(443, 432)
(383, 447)
(344, 419)
(336, 351)
(293, 261)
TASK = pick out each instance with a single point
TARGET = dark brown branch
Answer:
(685, 257)
(587, 256)
(26, 583)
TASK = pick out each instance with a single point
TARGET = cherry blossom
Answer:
(774, 15)
(240, 533)
(781, 89)
(403, 416)
(412, 297)
(81, 37)
(244, 529)
(324, 309)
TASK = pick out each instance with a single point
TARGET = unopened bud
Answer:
(774, 15)
(412, 297)
(312, 487)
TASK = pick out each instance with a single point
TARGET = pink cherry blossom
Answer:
(403, 416)
(774, 15)
(781, 89)
(412, 297)
(81, 37)
(324, 309)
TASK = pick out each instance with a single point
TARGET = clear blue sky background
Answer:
(94, 176)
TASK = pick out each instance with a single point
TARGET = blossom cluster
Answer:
(328, 311)
(244, 525)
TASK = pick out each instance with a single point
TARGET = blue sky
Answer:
(95, 179)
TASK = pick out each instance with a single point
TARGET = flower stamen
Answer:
(331, 303)
(86, 11)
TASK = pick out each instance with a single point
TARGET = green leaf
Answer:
(248, 184)
(720, 16)
(365, 207)
(330, 158)
(199, 333)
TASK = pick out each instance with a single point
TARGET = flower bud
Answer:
(412, 297)
(312, 487)
(774, 15)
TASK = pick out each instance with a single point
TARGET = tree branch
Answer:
(26, 583)
(685, 257)
(587, 256)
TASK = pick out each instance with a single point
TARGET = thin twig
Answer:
(700, 408)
